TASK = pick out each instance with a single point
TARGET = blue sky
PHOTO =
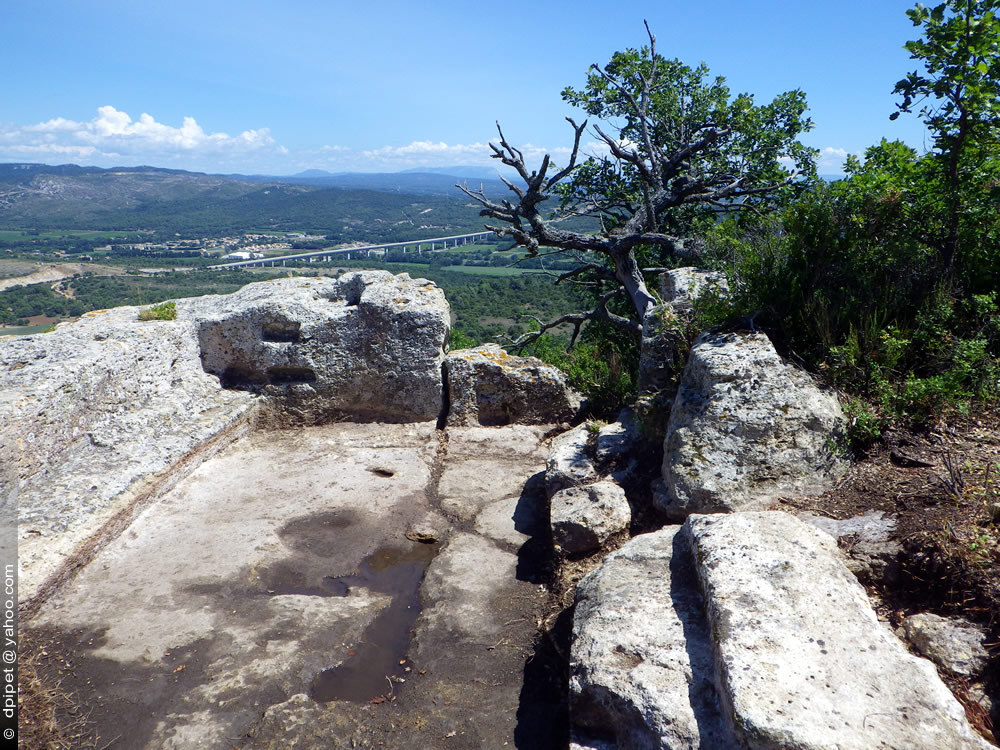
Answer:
(379, 85)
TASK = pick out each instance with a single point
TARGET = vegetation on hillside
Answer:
(885, 282)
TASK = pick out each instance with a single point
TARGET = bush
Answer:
(162, 311)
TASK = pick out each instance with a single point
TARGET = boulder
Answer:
(747, 428)
(641, 667)
(746, 630)
(956, 645)
(570, 462)
(801, 658)
(368, 345)
(488, 386)
(584, 518)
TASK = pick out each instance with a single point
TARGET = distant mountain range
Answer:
(349, 206)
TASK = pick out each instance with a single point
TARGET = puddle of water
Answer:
(396, 571)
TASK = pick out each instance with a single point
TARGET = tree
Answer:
(678, 149)
(959, 94)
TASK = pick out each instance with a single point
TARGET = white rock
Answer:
(747, 428)
(488, 386)
(682, 286)
(641, 666)
(955, 645)
(369, 345)
(802, 660)
(584, 518)
(570, 463)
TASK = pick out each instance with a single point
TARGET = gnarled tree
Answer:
(674, 149)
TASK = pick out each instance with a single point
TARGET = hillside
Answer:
(39, 197)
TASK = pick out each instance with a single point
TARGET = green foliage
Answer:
(459, 340)
(162, 311)
(602, 366)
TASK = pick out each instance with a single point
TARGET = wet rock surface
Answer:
(277, 580)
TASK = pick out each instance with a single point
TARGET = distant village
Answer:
(242, 247)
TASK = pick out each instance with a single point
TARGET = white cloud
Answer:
(831, 159)
(114, 134)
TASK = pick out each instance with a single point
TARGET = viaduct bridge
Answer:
(321, 256)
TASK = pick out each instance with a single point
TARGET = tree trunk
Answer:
(628, 273)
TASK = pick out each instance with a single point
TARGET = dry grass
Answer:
(49, 718)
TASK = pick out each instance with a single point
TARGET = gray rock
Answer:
(747, 428)
(641, 668)
(488, 386)
(682, 286)
(664, 344)
(802, 660)
(664, 330)
(93, 417)
(369, 345)
(584, 518)
(618, 441)
(570, 462)
(954, 644)
(864, 540)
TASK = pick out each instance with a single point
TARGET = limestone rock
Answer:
(92, 417)
(369, 344)
(746, 630)
(570, 463)
(488, 386)
(664, 335)
(584, 518)
(747, 428)
(955, 645)
(664, 342)
(802, 660)
(641, 667)
(864, 540)
(682, 286)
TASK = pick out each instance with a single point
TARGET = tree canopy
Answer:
(674, 148)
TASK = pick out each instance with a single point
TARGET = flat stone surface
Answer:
(802, 659)
(478, 472)
(231, 567)
(91, 416)
(641, 673)
(207, 621)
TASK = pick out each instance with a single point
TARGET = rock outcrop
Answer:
(488, 386)
(106, 412)
(746, 428)
(955, 645)
(368, 345)
(755, 654)
(663, 328)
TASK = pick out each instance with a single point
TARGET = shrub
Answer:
(162, 311)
